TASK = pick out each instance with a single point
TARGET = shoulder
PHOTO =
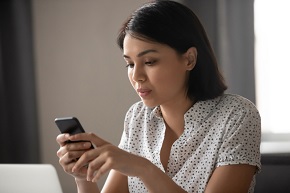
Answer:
(240, 115)
(232, 102)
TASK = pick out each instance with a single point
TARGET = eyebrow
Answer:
(142, 53)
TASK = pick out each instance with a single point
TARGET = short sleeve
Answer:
(242, 137)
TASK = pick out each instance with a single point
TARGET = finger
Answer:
(76, 146)
(83, 170)
(104, 160)
(70, 157)
(68, 168)
(62, 138)
(96, 140)
(93, 167)
(85, 158)
(61, 151)
(101, 171)
(80, 146)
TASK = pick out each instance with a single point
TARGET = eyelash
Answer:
(149, 63)
(129, 65)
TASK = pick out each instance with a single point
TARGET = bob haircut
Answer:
(173, 24)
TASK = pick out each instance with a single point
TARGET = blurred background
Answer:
(59, 58)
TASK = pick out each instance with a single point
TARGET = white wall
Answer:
(80, 70)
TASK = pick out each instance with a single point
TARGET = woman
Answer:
(185, 135)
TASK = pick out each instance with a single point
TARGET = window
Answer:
(272, 31)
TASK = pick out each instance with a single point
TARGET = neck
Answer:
(173, 114)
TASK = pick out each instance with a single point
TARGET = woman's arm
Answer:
(156, 181)
(83, 186)
(231, 179)
(107, 157)
(116, 183)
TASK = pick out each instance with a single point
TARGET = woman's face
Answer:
(156, 71)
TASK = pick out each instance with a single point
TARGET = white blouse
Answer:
(218, 132)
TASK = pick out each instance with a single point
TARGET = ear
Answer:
(191, 58)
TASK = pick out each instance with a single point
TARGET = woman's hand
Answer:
(105, 157)
(69, 153)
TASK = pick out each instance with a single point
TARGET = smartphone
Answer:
(69, 125)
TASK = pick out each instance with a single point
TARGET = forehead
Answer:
(133, 46)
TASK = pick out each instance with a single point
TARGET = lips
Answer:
(143, 92)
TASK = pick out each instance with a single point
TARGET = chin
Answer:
(150, 104)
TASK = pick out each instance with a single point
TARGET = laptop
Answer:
(29, 178)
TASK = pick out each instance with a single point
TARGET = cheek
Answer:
(130, 76)
(172, 76)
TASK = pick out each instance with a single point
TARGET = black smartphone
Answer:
(69, 125)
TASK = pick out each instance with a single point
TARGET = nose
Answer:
(138, 74)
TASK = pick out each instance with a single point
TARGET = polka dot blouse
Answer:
(218, 132)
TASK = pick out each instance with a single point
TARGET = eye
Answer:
(129, 65)
(150, 63)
